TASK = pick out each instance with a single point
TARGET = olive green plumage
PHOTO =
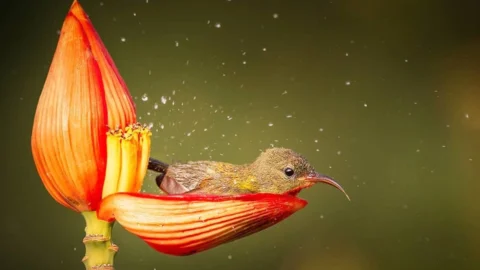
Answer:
(276, 170)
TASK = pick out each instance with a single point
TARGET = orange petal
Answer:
(121, 109)
(187, 224)
(68, 137)
(82, 95)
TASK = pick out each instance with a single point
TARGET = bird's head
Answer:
(281, 170)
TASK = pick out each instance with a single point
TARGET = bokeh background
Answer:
(382, 95)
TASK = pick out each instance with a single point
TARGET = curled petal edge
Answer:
(187, 224)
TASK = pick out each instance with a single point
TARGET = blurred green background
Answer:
(382, 95)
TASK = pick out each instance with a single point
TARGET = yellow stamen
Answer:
(127, 159)
(143, 155)
(114, 158)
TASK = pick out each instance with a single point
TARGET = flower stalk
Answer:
(99, 249)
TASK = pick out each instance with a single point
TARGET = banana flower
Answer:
(92, 156)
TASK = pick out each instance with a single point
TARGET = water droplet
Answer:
(347, 83)
(339, 153)
(230, 257)
(134, 14)
(123, 39)
(155, 106)
(275, 15)
(229, 117)
(218, 25)
(320, 129)
(289, 116)
(244, 62)
(467, 115)
(177, 43)
(406, 60)
(365, 105)
(163, 100)
(264, 49)
(270, 124)
(346, 54)
(144, 97)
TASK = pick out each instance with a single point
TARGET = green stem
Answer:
(99, 249)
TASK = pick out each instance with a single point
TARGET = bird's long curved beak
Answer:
(320, 178)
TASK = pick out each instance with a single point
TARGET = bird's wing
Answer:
(170, 186)
(210, 186)
(182, 178)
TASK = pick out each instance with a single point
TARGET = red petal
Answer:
(68, 136)
(186, 224)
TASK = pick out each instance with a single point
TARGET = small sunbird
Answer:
(276, 170)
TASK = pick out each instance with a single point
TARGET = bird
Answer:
(275, 170)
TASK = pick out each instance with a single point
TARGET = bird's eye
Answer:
(289, 171)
